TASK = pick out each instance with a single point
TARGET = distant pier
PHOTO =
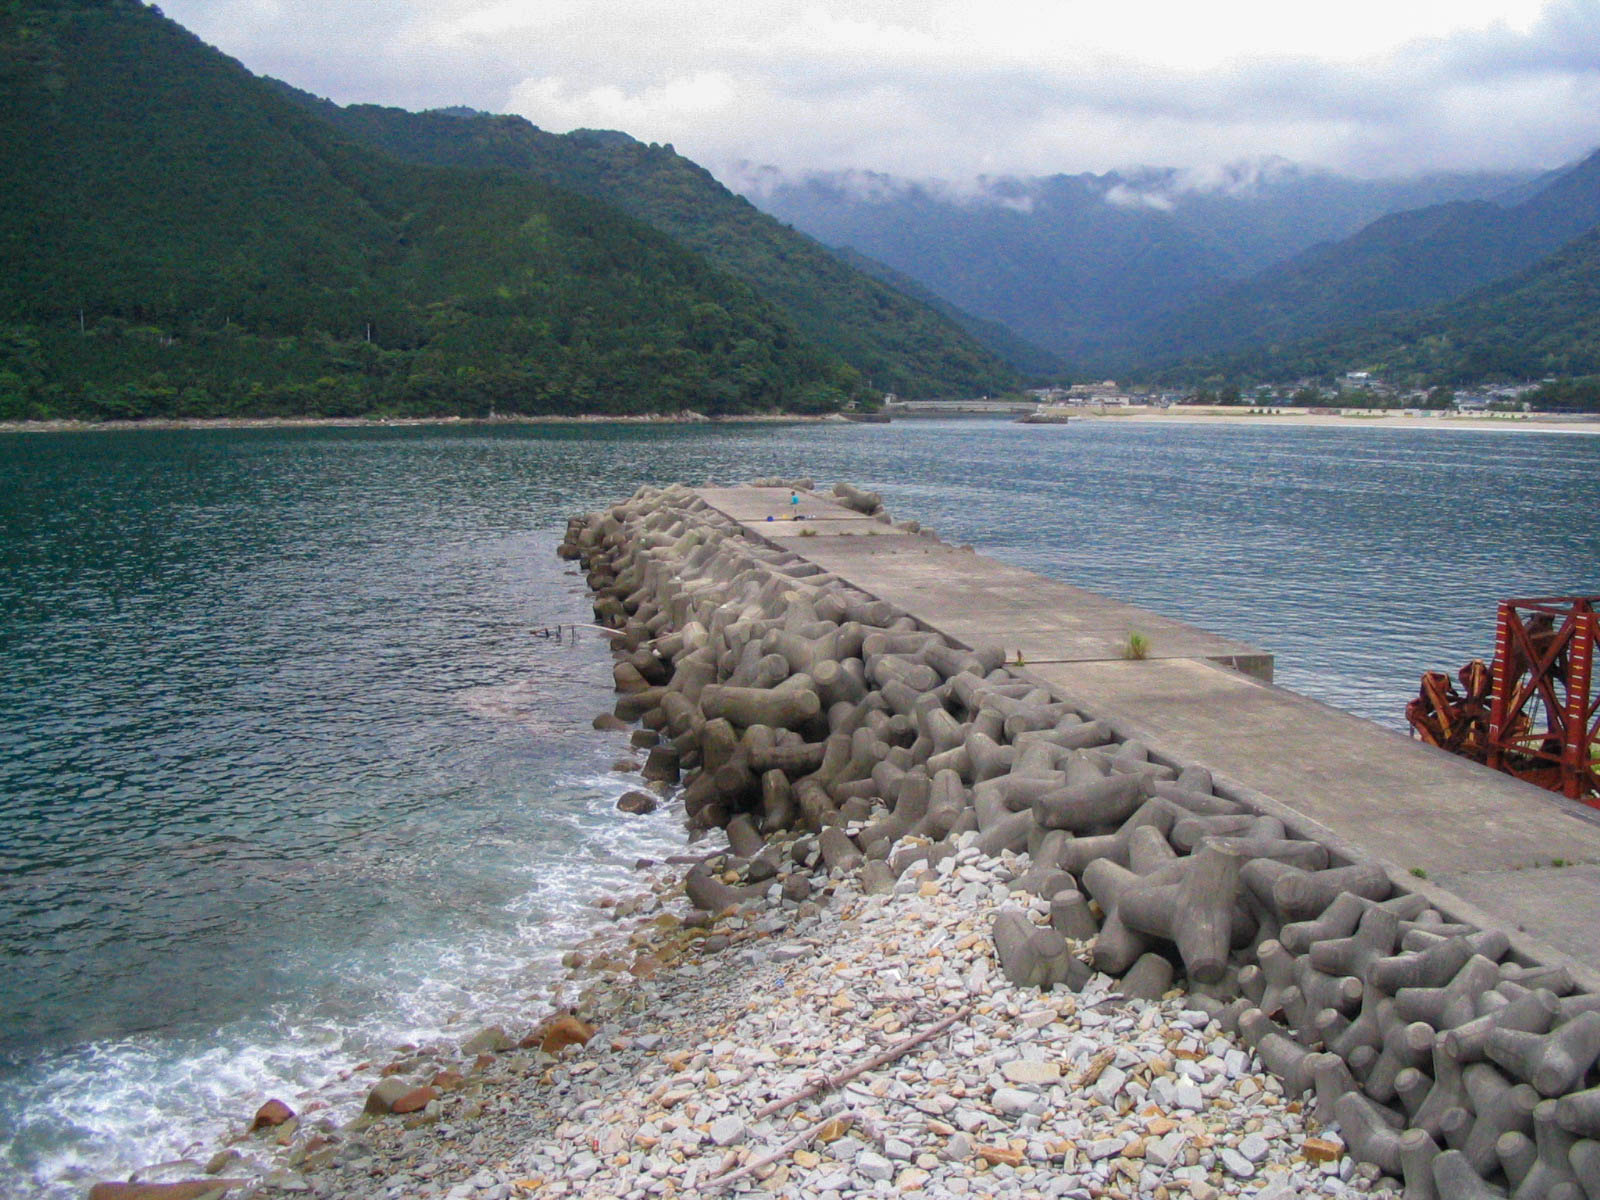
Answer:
(959, 408)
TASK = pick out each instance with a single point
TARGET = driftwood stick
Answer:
(877, 1060)
(783, 1151)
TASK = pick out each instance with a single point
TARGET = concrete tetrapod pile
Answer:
(824, 730)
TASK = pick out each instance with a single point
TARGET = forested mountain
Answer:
(896, 342)
(1081, 264)
(178, 238)
(1032, 360)
(1061, 267)
(1544, 321)
(1404, 262)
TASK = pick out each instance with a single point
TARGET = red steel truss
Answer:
(1544, 715)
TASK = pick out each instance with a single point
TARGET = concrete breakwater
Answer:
(829, 734)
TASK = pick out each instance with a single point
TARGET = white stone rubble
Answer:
(1027, 1094)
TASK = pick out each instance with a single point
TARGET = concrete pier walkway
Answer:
(1483, 846)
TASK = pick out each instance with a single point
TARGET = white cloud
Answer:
(948, 88)
(1123, 196)
(676, 103)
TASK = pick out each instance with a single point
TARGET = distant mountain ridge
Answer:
(180, 239)
(896, 342)
(1542, 322)
(1086, 266)
(1032, 360)
(1400, 263)
(183, 238)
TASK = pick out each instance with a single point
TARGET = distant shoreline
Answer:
(67, 425)
(1587, 423)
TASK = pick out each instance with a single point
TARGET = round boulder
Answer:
(271, 1114)
(637, 803)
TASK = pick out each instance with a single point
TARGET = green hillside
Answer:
(898, 343)
(179, 239)
(1542, 322)
(1402, 263)
(1032, 360)
(1083, 265)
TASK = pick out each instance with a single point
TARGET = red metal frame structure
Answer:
(1544, 676)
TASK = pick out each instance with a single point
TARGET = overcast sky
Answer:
(958, 88)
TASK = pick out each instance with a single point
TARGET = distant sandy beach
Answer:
(1587, 423)
(1301, 419)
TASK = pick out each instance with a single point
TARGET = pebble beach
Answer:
(708, 1026)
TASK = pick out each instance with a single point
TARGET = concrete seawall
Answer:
(1477, 842)
(1385, 924)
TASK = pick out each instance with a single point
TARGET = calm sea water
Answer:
(286, 776)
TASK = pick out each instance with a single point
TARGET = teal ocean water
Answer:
(287, 777)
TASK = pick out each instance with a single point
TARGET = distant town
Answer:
(1355, 393)
(1353, 390)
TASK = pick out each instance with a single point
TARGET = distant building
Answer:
(1087, 391)
(1081, 395)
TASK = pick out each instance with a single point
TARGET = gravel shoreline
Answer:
(1027, 1093)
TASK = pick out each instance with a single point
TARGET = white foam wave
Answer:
(101, 1110)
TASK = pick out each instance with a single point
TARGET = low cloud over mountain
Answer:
(934, 88)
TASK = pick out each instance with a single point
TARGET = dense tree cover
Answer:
(898, 343)
(1400, 264)
(1083, 264)
(1056, 262)
(178, 239)
(1567, 395)
(1544, 322)
(1032, 360)
(1128, 274)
